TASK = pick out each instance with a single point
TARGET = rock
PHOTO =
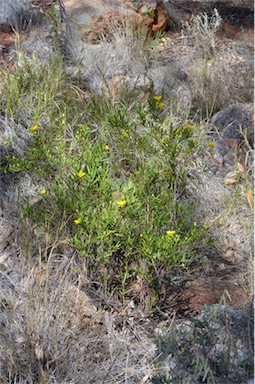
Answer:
(210, 4)
(231, 129)
(241, 12)
(14, 139)
(37, 34)
(155, 15)
(174, 14)
(18, 14)
(105, 40)
(214, 343)
(162, 19)
(235, 122)
(93, 21)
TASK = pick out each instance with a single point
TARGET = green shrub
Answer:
(114, 173)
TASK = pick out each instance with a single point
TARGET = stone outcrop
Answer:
(14, 139)
(209, 4)
(18, 14)
(234, 123)
(93, 20)
(235, 10)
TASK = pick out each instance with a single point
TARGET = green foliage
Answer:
(113, 172)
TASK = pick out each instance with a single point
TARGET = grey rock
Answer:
(174, 14)
(14, 139)
(217, 338)
(234, 121)
(18, 14)
(203, 5)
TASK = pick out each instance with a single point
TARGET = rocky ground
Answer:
(209, 312)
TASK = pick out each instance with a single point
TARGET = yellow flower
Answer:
(178, 130)
(121, 203)
(126, 133)
(211, 144)
(170, 233)
(78, 221)
(43, 191)
(183, 265)
(81, 174)
(160, 105)
(106, 147)
(34, 128)
(190, 127)
(157, 98)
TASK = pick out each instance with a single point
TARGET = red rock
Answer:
(5, 28)
(246, 34)
(93, 20)
(161, 19)
(230, 29)
(6, 40)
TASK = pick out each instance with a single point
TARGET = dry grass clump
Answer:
(39, 43)
(216, 73)
(118, 58)
(221, 81)
(224, 209)
(52, 333)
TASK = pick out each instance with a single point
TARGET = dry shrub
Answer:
(219, 73)
(202, 31)
(221, 81)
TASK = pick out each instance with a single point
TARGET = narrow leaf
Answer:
(230, 181)
(249, 196)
